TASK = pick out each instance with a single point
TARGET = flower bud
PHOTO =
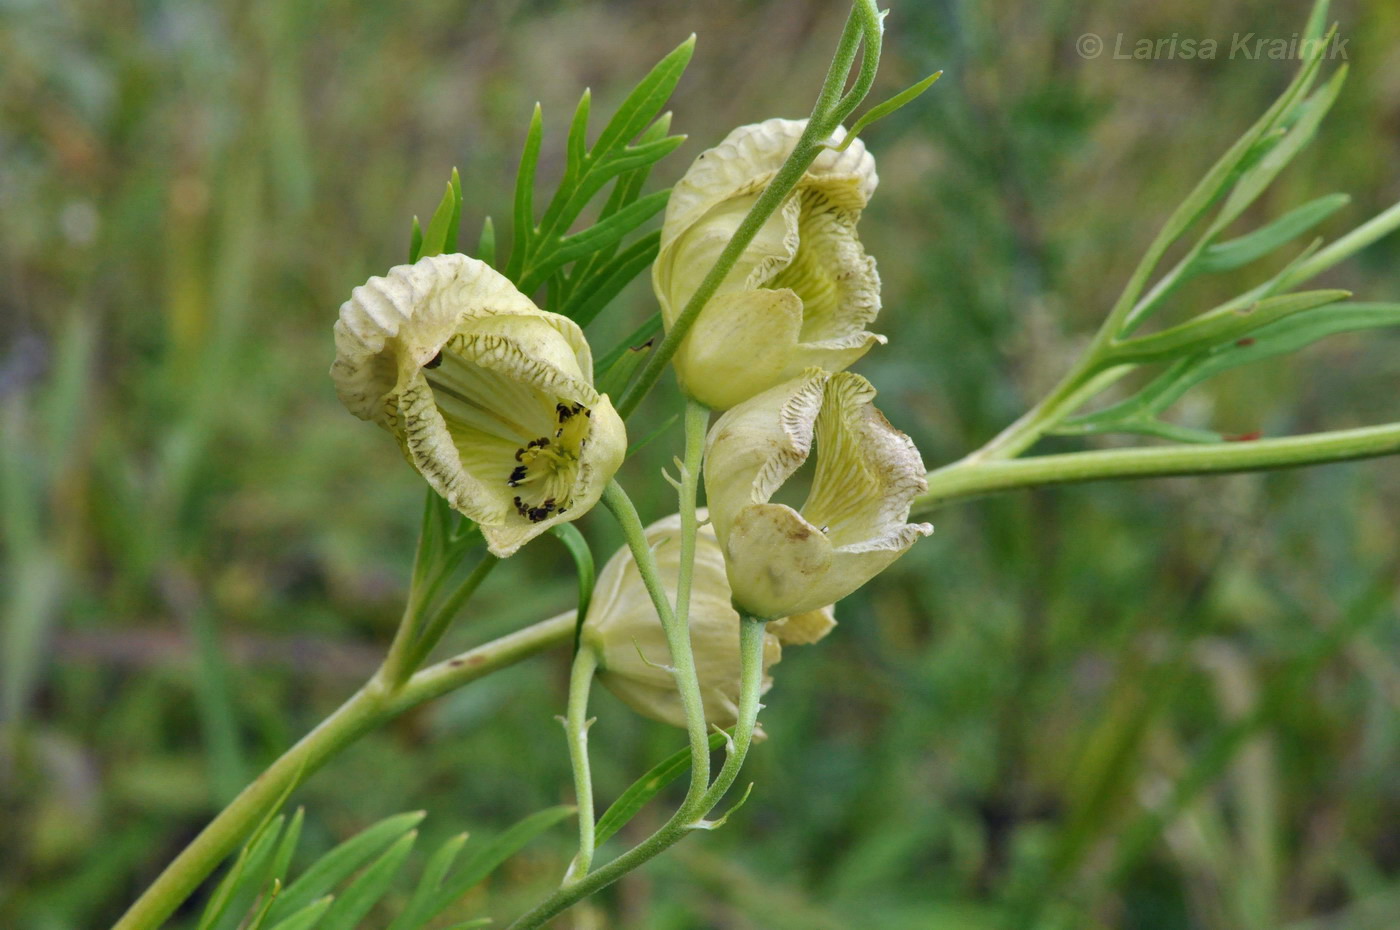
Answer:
(623, 630)
(490, 398)
(783, 560)
(801, 293)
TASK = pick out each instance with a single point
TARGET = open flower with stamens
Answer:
(803, 291)
(783, 559)
(490, 398)
(623, 630)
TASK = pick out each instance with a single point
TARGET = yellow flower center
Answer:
(519, 439)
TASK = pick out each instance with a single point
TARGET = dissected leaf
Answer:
(369, 886)
(419, 909)
(486, 859)
(1281, 337)
(609, 281)
(338, 864)
(646, 99)
(308, 917)
(1226, 256)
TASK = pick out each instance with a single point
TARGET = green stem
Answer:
(1087, 379)
(751, 630)
(373, 704)
(970, 478)
(576, 725)
(831, 108)
(690, 816)
(677, 636)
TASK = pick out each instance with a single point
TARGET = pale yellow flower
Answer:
(803, 291)
(490, 398)
(623, 629)
(782, 559)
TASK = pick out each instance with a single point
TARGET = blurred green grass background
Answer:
(1164, 704)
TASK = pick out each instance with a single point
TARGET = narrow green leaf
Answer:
(486, 244)
(642, 155)
(1280, 338)
(612, 372)
(1225, 256)
(576, 150)
(1299, 133)
(450, 244)
(441, 234)
(1221, 176)
(1317, 21)
(881, 110)
(573, 540)
(260, 918)
(645, 100)
(237, 890)
(603, 234)
(1363, 236)
(283, 860)
(645, 788)
(355, 901)
(524, 195)
(609, 280)
(629, 185)
(1223, 325)
(415, 242)
(308, 917)
(485, 861)
(626, 189)
(419, 910)
(337, 865)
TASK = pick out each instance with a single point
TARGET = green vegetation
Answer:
(1149, 704)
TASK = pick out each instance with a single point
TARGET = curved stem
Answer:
(970, 478)
(367, 708)
(751, 630)
(677, 636)
(576, 725)
(690, 816)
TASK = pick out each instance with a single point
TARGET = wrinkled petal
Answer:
(801, 293)
(489, 397)
(783, 560)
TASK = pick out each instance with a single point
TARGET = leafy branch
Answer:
(1270, 319)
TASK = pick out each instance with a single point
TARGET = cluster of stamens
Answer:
(556, 454)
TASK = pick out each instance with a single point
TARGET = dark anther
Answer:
(435, 361)
(517, 475)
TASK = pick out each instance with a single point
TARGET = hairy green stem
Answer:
(691, 814)
(677, 636)
(576, 724)
(372, 705)
(970, 478)
(697, 418)
(751, 630)
(831, 108)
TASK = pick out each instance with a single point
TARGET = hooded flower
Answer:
(622, 628)
(783, 559)
(490, 398)
(802, 292)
